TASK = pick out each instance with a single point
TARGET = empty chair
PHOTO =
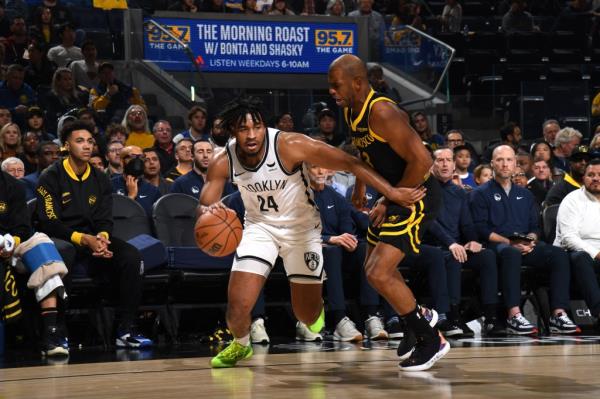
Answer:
(174, 217)
(549, 220)
(129, 218)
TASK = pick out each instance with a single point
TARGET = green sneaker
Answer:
(229, 356)
(318, 325)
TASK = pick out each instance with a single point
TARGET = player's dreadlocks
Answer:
(235, 113)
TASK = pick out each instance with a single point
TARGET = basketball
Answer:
(218, 232)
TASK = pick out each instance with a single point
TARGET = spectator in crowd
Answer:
(63, 97)
(186, 6)
(14, 167)
(455, 232)
(112, 97)
(378, 83)
(196, 119)
(131, 182)
(85, 71)
(39, 71)
(234, 6)
(335, 8)
(60, 13)
(517, 19)
(462, 161)
(218, 135)
(309, 7)
(138, 129)
(376, 25)
(97, 162)
(263, 6)
(543, 150)
(285, 122)
(48, 153)
(88, 116)
(566, 141)
(163, 145)
(31, 143)
(4, 22)
(5, 116)
(213, 6)
(541, 182)
(16, 94)
(407, 13)
(84, 217)
(116, 132)
(506, 218)
(36, 124)
(152, 167)
(451, 16)
(419, 122)
(249, 7)
(578, 161)
(594, 144)
(328, 128)
(510, 135)
(482, 174)
(550, 128)
(519, 177)
(577, 231)
(10, 140)
(113, 157)
(66, 52)
(184, 158)
(524, 161)
(280, 7)
(43, 30)
(17, 42)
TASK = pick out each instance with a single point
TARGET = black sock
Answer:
(337, 316)
(418, 323)
(369, 311)
(49, 317)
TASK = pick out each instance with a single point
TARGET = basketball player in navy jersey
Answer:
(382, 133)
(281, 217)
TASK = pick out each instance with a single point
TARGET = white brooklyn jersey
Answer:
(271, 194)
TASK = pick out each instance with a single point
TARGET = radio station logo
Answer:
(159, 39)
(334, 41)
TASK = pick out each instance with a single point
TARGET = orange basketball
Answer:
(218, 232)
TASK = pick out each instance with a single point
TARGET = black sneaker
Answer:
(519, 325)
(493, 328)
(55, 343)
(467, 332)
(427, 352)
(561, 324)
(394, 328)
(449, 328)
(407, 345)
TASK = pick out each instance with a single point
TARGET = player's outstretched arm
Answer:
(216, 177)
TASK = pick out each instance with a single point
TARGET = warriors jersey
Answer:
(374, 150)
(271, 194)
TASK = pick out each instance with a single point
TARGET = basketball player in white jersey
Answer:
(281, 217)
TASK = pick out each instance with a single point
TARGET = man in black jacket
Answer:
(75, 204)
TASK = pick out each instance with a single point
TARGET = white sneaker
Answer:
(374, 329)
(346, 331)
(258, 332)
(304, 334)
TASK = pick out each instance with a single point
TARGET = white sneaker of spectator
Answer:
(258, 332)
(346, 331)
(304, 334)
(374, 329)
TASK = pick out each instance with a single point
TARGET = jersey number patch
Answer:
(268, 204)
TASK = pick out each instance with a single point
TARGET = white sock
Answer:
(245, 340)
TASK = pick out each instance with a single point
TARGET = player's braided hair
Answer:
(235, 113)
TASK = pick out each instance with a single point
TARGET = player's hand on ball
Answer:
(407, 196)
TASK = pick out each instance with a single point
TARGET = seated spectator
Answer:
(543, 150)
(152, 174)
(184, 158)
(503, 213)
(524, 161)
(519, 177)
(406, 13)
(279, 7)
(48, 153)
(14, 167)
(542, 181)
(510, 135)
(113, 157)
(138, 128)
(452, 16)
(15, 94)
(85, 71)
(327, 125)
(17, 41)
(116, 132)
(39, 71)
(186, 6)
(234, 6)
(455, 232)
(218, 135)
(335, 8)
(88, 116)
(43, 30)
(577, 231)
(196, 119)
(379, 84)
(163, 146)
(66, 52)
(213, 6)
(285, 122)
(578, 162)
(36, 124)
(97, 162)
(112, 97)
(63, 97)
(131, 183)
(517, 19)
(419, 122)
(250, 7)
(549, 129)
(5, 116)
(10, 140)
(462, 161)
(60, 13)
(31, 144)
(84, 218)
(566, 141)
(263, 6)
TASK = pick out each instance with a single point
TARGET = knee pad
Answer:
(39, 255)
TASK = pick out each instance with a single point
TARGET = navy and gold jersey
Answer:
(374, 150)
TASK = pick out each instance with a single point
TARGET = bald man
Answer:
(382, 133)
(506, 218)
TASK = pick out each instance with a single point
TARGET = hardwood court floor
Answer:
(346, 371)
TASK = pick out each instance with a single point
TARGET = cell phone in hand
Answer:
(520, 237)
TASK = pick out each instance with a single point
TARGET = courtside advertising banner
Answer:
(249, 46)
